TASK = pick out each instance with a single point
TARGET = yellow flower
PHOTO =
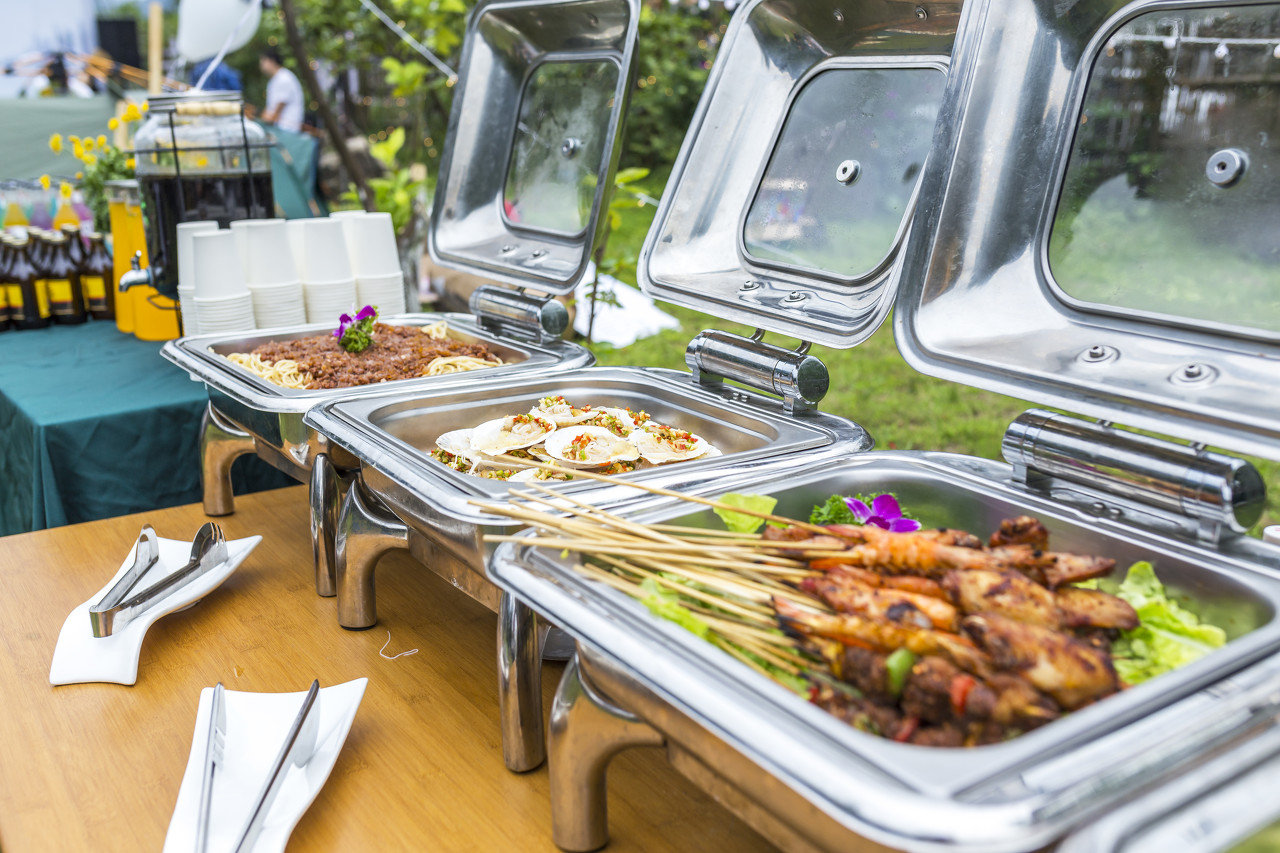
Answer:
(73, 139)
(44, 181)
(102, 140)
(131, 163)
(131, 113)
(77, 148)
(202, 162)
(55, 143)
(88, 143)
(113, 123)
(146, 105)
(89, 160)
(64, 190)
(79, 176)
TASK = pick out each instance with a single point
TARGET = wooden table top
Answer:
(98, 766)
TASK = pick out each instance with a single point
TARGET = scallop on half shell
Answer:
(617, 421)
(510, 433)
(561, 412)
(457, 442)
(589, 447)
(662, 445)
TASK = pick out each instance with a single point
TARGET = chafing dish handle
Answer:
(518, 313)
(800, 379)
(1141, 752)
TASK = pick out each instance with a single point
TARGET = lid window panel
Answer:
(558, 155)
(1170, 202)
(834, 197)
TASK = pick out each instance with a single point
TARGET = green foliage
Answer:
(676, 49)
(396, 191)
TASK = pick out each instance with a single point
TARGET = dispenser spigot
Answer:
(137, 275)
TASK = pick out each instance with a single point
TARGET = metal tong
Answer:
(114, 611)
(214, 749)
(298, 748)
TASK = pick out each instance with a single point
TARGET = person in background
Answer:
(284, 93)
(222, 79)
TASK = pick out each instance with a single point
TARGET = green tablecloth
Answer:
(93, 424)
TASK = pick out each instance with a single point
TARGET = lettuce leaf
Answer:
(740, 522)
(665, 604)
(1169, 635)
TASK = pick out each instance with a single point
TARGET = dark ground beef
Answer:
(397, 352)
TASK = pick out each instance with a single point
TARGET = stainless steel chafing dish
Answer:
(247, 414)
(405, 499)
(1067, 134)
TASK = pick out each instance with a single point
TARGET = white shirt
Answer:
(283, 88)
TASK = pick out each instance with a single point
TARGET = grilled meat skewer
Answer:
(849, 595)
(1017, 597)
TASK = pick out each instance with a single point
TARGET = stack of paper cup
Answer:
(270, 273)
(222, 298)
(371, 243)
(328, 285)
(186, 284)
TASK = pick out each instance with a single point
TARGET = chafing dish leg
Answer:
(327, 489)
(221, 443)
(520, 641)
(362, 537)
(585, 733)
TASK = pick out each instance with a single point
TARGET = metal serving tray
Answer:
(1016, 795)
(272, 415)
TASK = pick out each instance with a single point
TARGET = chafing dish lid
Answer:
(793, 192)
(1098, 224)
(533, 140)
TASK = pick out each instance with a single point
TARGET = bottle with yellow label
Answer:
(20, 285)
(95, 277)
(62, 282)
(40, 258)
(6, 261)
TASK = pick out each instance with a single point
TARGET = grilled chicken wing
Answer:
(849, 595)
(838, 570)
(1072, 672)
(1093, 608)
(1023, 530)
(1007, 593)
(1049, 567)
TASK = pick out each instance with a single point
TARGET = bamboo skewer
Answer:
(658, 490)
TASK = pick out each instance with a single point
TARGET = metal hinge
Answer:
(518, 314)
(800, 379)
(1150, 482)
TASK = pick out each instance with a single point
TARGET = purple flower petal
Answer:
(345, 319)
(877, 521)
(368, 312)
(903, 525)
(340, 331)
(886, 506)
(860, 511)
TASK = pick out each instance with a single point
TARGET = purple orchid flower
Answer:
(368, 312)
(344, 322)
(884, 512)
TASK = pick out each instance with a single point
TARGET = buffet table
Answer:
(85, 410)
(98, 766)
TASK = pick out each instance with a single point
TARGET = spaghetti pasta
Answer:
(284, 372)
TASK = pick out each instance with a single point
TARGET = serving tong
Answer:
(298, 747)
(114, 611)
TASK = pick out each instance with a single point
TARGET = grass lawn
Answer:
(870, 384)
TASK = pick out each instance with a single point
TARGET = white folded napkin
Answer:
(256, 727)
(81, 657)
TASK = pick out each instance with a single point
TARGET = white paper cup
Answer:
(386, 292)
(265, 251)
(371, 243)
(293, 228)
(185, 230)
(216, 268)
(347, 214)
(325, 251)
(190, 313)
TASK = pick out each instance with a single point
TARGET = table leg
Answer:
(585, 733)
(221, 443)
(362, 537)
(328, 485)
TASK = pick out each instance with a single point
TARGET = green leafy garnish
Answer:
(1169, 635)
(834, 511)
(740, 522)
(666, 604)
(355, 334)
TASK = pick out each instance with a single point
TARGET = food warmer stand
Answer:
(1075, 167)
(403, 498)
